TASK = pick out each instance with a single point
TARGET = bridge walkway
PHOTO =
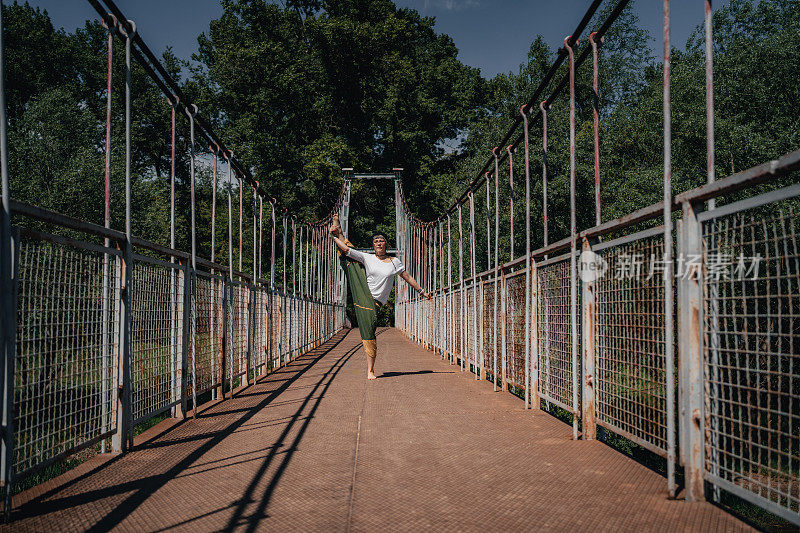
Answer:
(315, 447)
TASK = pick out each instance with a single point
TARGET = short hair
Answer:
(379, 235)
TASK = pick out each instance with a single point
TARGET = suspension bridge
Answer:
(491, 397)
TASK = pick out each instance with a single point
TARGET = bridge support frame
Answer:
(690, 362)
(589, 307)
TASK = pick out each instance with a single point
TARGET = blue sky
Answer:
(493, 35)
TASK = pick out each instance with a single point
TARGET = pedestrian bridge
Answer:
(314, 446)
(617, 376)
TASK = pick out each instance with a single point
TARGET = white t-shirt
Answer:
(380, 275)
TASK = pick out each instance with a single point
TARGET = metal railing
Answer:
(103, 330)
(706, 376)
(66, 375)
(739, 332)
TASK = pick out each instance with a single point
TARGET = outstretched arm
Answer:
(411, 281)
(341, 244)
(338, 238)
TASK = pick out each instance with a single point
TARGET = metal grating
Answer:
(489, 341)
(457, 324)
(555, 332)
(471, 334)
(515, 330)
(156, 336)
(239, 298)
(208, 331)
(752, 354)
(260, 324)
(65, 372)
(629, 349)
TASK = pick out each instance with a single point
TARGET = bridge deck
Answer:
(315, 447)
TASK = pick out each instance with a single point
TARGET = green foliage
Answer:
(301, 89)
(304, 90)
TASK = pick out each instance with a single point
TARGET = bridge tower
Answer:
(344, 213)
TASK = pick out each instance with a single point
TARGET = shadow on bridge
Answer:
(68, 492)
(314, 446)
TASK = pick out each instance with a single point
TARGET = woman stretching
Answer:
(371, 278)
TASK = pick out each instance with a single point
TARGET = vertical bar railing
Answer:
(669, 324)
(573, 289)
(7, 282)
(123, 438)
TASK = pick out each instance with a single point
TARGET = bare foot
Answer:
(371, 375)
(336, 228)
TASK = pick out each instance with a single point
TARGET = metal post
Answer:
(710, 98)
(543, 109)
(260, 232)
(227, 363)
(461, 283)
(294, 254)
(496, 263)
(251, 296)
(691, 352)
(256, 272)
(241, 194)
(573, 289)
(254, 288)
(596, 116)
(285, 230)
(190, 281)
(111, 25)
(503, 316)
(284, 314)
(185, 325)
(533, 325)
(272, 247)
(122, 440)
(175, 357)
(589, 304)
(436, 286)
(272, 291)
(669, 324)
(292, 329)
(309, 325)
(510, 152)
(213, 328)
(523, 112)
(214, 149)
(8, 326)
(488, 226)
(449, 290)
(480, 371)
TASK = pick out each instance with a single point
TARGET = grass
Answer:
(753, 514)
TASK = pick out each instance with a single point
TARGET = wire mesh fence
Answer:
(471, 340)
(157, 340)
(275, 328)
(65, 391)
(630, 340)
(555, 332)
(457, 324)
(238, 309)
(68, 351)
(515, 330)
(746, 337)
(208, 332)
(488, 338)
(751, 296)
(260, 328)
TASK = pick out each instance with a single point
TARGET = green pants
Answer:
(363, 302)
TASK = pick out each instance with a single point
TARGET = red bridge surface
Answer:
(316, 447)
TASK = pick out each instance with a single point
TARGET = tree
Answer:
(361, 84)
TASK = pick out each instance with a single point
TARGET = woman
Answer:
(371, 278)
